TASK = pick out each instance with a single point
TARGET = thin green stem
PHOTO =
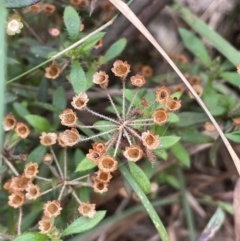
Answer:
(9, 164)
(146, 203)
(186, 206)
(76, 197)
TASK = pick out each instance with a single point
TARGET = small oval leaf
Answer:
(181, 154)
(38, 122)
(83, 224)
(168, 141)
(20, 4)
(32, 236)
(234, 136)
(140, 177)
(85, 165)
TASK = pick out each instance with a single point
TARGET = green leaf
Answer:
(85, 165)
(83, 224)
(38, 122)
(195, 137)
(20, 109)
(234, 136)
(114, 50)
(173, 118)
(20, 4)
(213, 225)
(140, 177)
(231, 77)
(195, 46)
(205, 31)
(59, 98)
(37, 154)
(130, 95)
(78, 78)
(181, 154)
(191, 118)
(87, 45)
(41, 51)
(168, 141)
(32, 236)
(103, 125)
(72, 22)
(46, 106)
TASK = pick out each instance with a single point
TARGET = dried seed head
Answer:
(133, 153)
(8, 186)
(94, 156)
(52, 209)
(45, 225)
(162, 94)
(20, 183)
(14, 25)
(31, 170)
(103, 176)
(47, 158)
(208, 126)
(150, 140)
(54, 32)
(107, 164)
(16, 199)
(194, 80)
(70, 137)
(80, 101)
(60, 140)
(101, 78)
(99, 147)
(160, 116)
(121, 69)
(68, 118)
(99, 44)
(9, 122)
(144, 102)
(80, 3)
(22, 130)
(236, 121)
(33, 192)
(138, 80)
(87, 210)
(198, 89)
(36, 8)
(49, 8)
(53, 71)
(173, 104)
(100, 187)
(146, 71)
(179, 88)
(48, 139)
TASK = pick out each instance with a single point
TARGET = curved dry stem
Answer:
(127, 12)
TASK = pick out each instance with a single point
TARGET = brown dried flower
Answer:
(99, 44)
(107, 164)
(20, 183)
(101, 78)
(52, 209)
(33, 192)
(236, 121)
(100, 187)
(9, 122)
(94, 156)
(99, 147)
(194, 80)
(173, 104)
(47, 158)
(160, 116)
(70, 137)
(198, 89)
(87, 209)
(80, 101)
(60, 140)
(208, 126)
(49, 8)
(103, 176)
(162, 94)
(121, 69)
(16, 199)
(45, 225)
(8, 186)
(80, 3)
(138, 80)
(146, 71)
(31, 170)
(22, 130)
(48, 139)
(133, 153)
(68, 118)
(36, 8)
(53, 71)
(150, 140)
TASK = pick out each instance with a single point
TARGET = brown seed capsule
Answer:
(52, 209)
(45, 225)
(94, 156)
(48, 139)
(87, 209)
(133, 153)
(150, 140)
(101, 78)
(16, 199)
(147, 71)
(22, 130)
(198, 89)
(47, 158)
(160, 116)
(70, 137)
(99, 147)
(121, 69)
(31, 170)
(9, 122)
(173, 104)
(107, 164)
(20, 183)
(36, 8)
(138, 80)
(68, 118)
(33, 192)
(80, 3)
(100, 187)
(49, 8)
(103, 176)
(52, 72)
(99, 44)
(80, 101)
(162, 94)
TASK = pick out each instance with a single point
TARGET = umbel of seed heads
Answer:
(122, 132)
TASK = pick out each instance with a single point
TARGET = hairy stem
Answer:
(57, 163)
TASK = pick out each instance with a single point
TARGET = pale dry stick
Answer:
(127, 12)
(56, 162)
(51, 189)
(9, 164)
(118, 142)
(65, 163)
(132, 102)
(19, 221)
(43, 178)
(61, 192)
(98, 135)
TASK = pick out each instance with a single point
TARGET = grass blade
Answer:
(148, 206)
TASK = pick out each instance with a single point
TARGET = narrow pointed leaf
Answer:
(85, 165)
(38, 122)
(32, 236)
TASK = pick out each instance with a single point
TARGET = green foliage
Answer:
(140, 177)
(83, 224)
(181, 154)
(168, 141)
(38, 122)
(19, 4)
(32, 236)
(85, 165)
(37, 153)
(195, 46)
(234, 136)
(231, 77)
(191, 118)
(78, 77)
(72, 22)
